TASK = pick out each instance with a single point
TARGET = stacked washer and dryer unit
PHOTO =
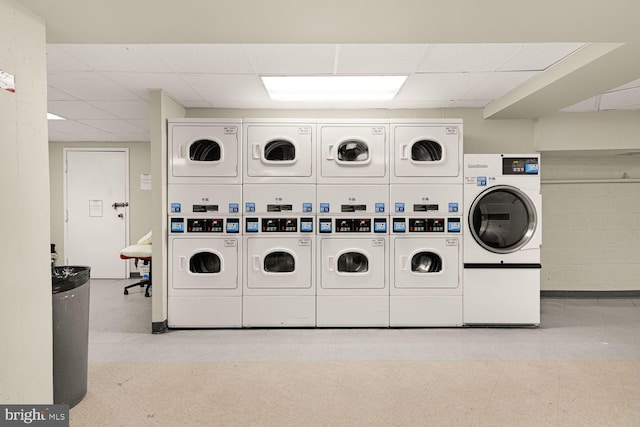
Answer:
(279, 199)
(426, 223)
(204, 191)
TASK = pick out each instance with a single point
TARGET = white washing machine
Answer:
(426, 151)
(353, 256)
(353, 151)
(279, 251)
(205, 256)
(426, 255)
(204, 151)
(281, 152)
(502, 239)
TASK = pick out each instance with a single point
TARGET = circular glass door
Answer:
(279, 262)
(205, 150)
(426, 150)
(502, 219)
(353, 151)
(280, 150)
(205, 263)
(353, 262)
(426, 262)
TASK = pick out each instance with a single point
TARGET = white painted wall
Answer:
(139, 201)
(162, 108)
(26, 359)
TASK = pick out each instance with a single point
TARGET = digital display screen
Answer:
(520, 166)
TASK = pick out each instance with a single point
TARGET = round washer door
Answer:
(502, 219)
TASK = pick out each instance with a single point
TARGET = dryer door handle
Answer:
(256, 262)
(404, 262)
(182, 151)
(255, 150)
(183, 262)
(404, 151)
(329, 263)
(330, 152)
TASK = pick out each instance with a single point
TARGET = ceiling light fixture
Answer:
(54, 117)
(333, 88)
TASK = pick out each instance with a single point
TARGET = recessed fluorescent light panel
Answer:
(54, 117)
(333, 88)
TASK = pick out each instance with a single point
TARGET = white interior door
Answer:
(95, 230)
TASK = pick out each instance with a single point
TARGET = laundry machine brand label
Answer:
(324, 207)
(176, 208)
(451, 242)
(377, 243)
(452, 130)
(304, 242)
(377, 131)
(481, 181)
(230, 130)
(230, 243)
(304, 131)
(399, 207)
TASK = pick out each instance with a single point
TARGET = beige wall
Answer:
(26, 360)
(140, 216)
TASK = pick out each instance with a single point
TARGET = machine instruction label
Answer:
(304, 131)
(230, 130)
(304, 242)
(376, 243)
(452, 130)
(451, 242)
(377, 131)
(230, 243)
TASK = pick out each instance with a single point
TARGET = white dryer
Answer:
(426, 151)
(205, 256)
(204, 151)
(278, 151)
(353, 256)
(503, 236)
(279, 250)
(426, 255)
(353, 152)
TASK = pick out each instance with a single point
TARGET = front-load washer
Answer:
(205, 256)
(353, 151)
(426, 255)
(279, 250)
(426, 151)
(502, 239)
(204, 151)
(353, 256)
(277, 151)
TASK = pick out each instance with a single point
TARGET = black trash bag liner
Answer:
(67, 277)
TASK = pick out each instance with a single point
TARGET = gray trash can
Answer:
(70, 288)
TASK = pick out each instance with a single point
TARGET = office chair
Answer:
(141, 251)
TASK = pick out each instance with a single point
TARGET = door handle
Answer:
(256, 151)
(183, 262)
(117, 205)
(256, 262)
(330, 152)
(329, 263)
(182, 152)
(404, 152)
(403, 262)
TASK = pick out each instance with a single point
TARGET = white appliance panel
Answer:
(426, 263)
(427, 151)
(204, 312)
(356, 263)
(279, 262)
(205, 263)
(425, 311)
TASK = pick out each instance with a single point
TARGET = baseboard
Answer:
(159, 327)
(590, 294)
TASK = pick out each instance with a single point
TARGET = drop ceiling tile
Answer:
(421, 104)
(205, 58)
(96, 136)
(496, 85)
(456, 58)
(55, 135)
(288, 59)
(201, 103)
(628, 99)
(70, 126)
(123, 109)
(437, 86)
(633, 84)
(141, 83)
(75, 110)
(134, 136)
(142, 124)
(470, 103)
(227, 90)
(112, 126)
(58, 60)
(117, 57)
(89, 86)
(379, 58)
(54, 94)
(583, 106)
(539, 56)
